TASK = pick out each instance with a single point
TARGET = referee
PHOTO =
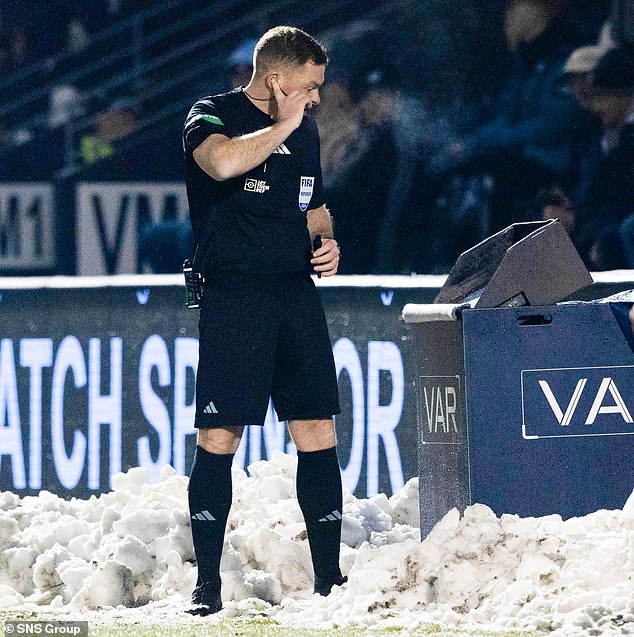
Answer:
(255, 193)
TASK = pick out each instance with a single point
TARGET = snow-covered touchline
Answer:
(132, 548)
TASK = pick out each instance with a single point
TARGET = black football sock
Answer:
(209, 503)
(321, 501)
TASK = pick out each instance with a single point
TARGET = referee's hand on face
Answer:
(326, 259)
(291, 107)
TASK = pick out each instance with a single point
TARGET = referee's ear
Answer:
(267, 81)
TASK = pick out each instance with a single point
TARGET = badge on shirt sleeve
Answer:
(306, 185)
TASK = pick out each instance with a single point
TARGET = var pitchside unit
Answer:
(525, 406)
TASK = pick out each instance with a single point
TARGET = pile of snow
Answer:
(132, 548)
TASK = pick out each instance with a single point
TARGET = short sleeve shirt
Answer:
(256, 222)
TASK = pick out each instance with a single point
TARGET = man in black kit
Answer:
(256, 200)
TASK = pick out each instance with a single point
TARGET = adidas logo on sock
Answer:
(204, 516)
(210, 408)
(331, 517)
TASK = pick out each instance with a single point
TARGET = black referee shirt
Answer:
(254, 223)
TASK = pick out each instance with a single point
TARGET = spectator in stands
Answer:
(36, 30)
(600, 192)
(557, 205)
(65, 105)
(358, 157)
(530, 145)
(560, 201)
(430, 218)
(111, 125)
(578, 71)
(605, 211)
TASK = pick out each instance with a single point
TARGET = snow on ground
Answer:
(128, 554)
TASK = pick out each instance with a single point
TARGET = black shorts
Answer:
(261, 337)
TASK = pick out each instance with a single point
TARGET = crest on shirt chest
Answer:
(306, 185)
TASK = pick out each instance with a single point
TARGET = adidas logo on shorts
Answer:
(210, 408)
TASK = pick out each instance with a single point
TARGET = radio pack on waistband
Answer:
(194, 285)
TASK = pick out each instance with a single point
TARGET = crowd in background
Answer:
(417, 181)
(436, 130)
(34, 30)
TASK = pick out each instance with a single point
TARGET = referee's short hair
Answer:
(287, 45)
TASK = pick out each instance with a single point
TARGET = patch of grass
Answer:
(246, 627)
(250, 628)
